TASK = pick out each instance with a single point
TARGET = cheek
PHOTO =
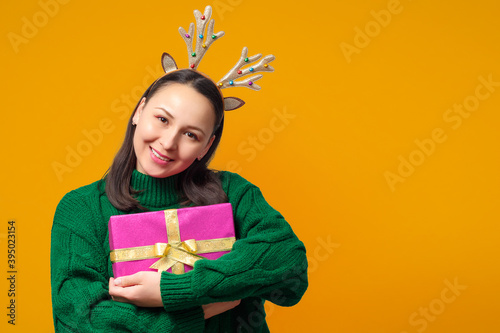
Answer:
(189, 151)
(144, 133)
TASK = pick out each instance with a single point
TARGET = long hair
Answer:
(197, 184)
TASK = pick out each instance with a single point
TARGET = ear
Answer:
(168, 63)
(138, 111)
(232, 103)
(205, 150)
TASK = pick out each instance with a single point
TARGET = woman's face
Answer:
(173, 129)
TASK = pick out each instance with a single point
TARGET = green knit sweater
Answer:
(267, 262)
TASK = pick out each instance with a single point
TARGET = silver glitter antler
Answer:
(229, 80)
(202, 42)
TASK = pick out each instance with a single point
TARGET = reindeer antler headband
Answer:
(203, 42)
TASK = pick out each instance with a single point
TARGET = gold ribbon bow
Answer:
(175, 253)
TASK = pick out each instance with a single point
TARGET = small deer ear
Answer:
(232, 103)
(168, 63)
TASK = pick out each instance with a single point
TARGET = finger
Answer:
(128, 280)
(114, 290)
(124, 294)
(120, 299)
(111, 285)
(214, 309)
(230, 305)
(117, 291)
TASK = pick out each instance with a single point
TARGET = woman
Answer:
(162, 164)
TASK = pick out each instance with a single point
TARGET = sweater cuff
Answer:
(177, 292)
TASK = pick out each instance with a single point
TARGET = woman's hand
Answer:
(213, 309)
(141, 289)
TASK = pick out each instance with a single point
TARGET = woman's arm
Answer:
(80, 297)
(143, 289)
(267, 261)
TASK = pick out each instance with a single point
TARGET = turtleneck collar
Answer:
(157, 192)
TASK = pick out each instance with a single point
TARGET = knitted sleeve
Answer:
(267, 261)
(79, 278)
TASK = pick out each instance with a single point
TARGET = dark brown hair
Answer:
(197, 184)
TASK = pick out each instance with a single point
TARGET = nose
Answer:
(168, 140)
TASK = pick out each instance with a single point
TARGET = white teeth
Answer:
(160, 157)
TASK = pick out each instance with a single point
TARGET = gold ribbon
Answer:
(174, 254)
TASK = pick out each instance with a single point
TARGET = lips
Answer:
(160, 156)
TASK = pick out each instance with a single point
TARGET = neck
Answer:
(155, 192)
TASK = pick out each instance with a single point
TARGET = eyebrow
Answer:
(170, 115)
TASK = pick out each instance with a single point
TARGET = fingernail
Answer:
(118, 282)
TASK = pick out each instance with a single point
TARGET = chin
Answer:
(162, 173)
(157, 171)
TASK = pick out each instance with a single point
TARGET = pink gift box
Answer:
(144, 230)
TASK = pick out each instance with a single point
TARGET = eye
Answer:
(162, 119)
(192, 136)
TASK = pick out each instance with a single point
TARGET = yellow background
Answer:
(351, 120)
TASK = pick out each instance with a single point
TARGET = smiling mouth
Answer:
(166, 159)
